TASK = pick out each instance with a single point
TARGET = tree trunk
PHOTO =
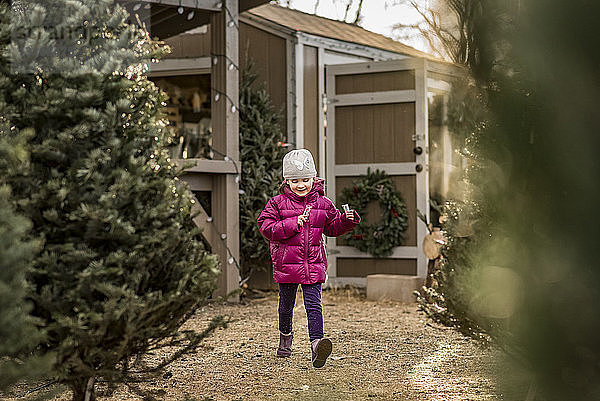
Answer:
(83, 389)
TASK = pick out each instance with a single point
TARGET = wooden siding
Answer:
(189, 45)
(311, 101)
(367, 134)
(374, 82)
(361, 267)
(263, 279)
(406, 185)
(268, 52)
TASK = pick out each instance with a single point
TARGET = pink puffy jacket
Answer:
(298, 253)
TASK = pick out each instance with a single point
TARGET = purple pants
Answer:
(312, 304)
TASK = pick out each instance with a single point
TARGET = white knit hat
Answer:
(299, 163)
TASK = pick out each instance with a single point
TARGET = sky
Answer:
(377, 16)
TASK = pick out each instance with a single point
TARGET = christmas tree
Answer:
(120, 269)
(520, 261)
(19, 332)
(261, 153)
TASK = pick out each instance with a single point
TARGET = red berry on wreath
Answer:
(355, 190)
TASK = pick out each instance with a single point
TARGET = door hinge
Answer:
(329, 100)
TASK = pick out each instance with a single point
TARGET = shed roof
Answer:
(321, 26)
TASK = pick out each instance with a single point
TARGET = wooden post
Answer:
(299, 109)
(422, 140)
(225, 128)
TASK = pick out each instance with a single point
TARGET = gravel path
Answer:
(382, 351)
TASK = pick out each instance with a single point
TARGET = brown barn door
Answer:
(377, 117)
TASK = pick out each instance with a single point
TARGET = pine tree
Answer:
(18, 331)
(261, 153)
(467, 222)
(120, 269)
(526, 270)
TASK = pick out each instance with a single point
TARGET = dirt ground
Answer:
(382, 351)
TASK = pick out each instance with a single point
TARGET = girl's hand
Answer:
(302, 219)
(350, 215)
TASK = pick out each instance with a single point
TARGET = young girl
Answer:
(295, 222)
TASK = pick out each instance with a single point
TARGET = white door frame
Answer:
(421, 138)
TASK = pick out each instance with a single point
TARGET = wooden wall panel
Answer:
(189, 45)
(363, 134)
(383, 127)
(263, 279)
(343, 134)
(268, 53)
(374, 82)
(404, 129)
(367, 134)
(311, 102)
(361, 267)
(406, 185)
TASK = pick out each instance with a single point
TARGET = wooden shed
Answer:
(216, 176)
(355, 98)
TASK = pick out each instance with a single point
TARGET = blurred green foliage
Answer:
(20, 333)
(524, 272)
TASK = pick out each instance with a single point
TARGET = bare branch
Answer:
(347, 9)
(358, 13)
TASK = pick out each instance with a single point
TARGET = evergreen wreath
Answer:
(378, 239)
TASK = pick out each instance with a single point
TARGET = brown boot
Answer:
(321, 349)
(285, 345)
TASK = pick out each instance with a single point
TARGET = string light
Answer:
(226, 158)
(216, 56)
(231, 22)
(231, 259)
(218, 95)
(181, 9)
(232, 65)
